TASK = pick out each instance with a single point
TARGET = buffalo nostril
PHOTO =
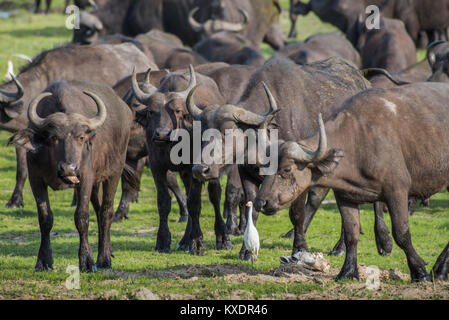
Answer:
(259, 204)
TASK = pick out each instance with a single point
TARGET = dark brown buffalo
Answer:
(82, 4)
(389, 47)
(384, 158)
(168, 51)
(77, 138)
(438, 58)
(230, 47)
(166, 112)
(102, 63)
(293, 16)
(260, 16)
(321, 47)
(304, 91)
(137, 152)
(127, 17)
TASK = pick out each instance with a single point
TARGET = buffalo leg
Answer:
(233, 200)
(163, 241)
(194, 207)
(384, 243)
(441, 267)
(297, 216)
(37, 6)
(47, 6)
(104, 222)
(293, 17)
(339, 248)
(186, 242)
(86, 261)
(351, 228)
(221, 232)
(16, 200)
(174, 187)
(45, 216)
(315, 197)
(129, 193)
(397, 201)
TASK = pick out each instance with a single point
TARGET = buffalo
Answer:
(77, 137)
(305, 92)
(383, 159)
(165, 113)
(321, 47)
(389, 47)
(137, 152)
(102, 63)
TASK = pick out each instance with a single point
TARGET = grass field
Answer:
(218, 274)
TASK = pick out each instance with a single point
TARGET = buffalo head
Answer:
(89, 29)
(10, 102)
(438, 58)
(165, 109)
(228, 120)
(298, 168)
(67, 137)
(215, 25)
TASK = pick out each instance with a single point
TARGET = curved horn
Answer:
(192, 82)
(196, 26)
(194, 111)
(147, 87)
(251, 118)
(140, 95)
(33, 117)
(221, 25)
(303, 155)
(245, 17)
(100, 118)
(269, 116)
(8, 97)
(430, 51)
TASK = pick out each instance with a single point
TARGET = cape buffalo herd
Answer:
(167, 83)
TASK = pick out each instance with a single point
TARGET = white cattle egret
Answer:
(251, 236)
(10, 72)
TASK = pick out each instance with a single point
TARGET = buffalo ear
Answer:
(13, 111)
(329, 162)
(24, 139)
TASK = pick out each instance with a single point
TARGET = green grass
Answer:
(218, 274)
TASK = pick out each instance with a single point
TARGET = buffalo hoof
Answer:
(384, 245)
(15, 202)
(423, 278)
(197, 248)
(235, 231)
(44, 264)
(163, 244)
(224, 245)
(244, 254)
(119, 216)
(183, 245)
(87, 264)
(339, 249)
(348, 273)
(183, 218)
(292, 34)
(289, 235)
(103, 262)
